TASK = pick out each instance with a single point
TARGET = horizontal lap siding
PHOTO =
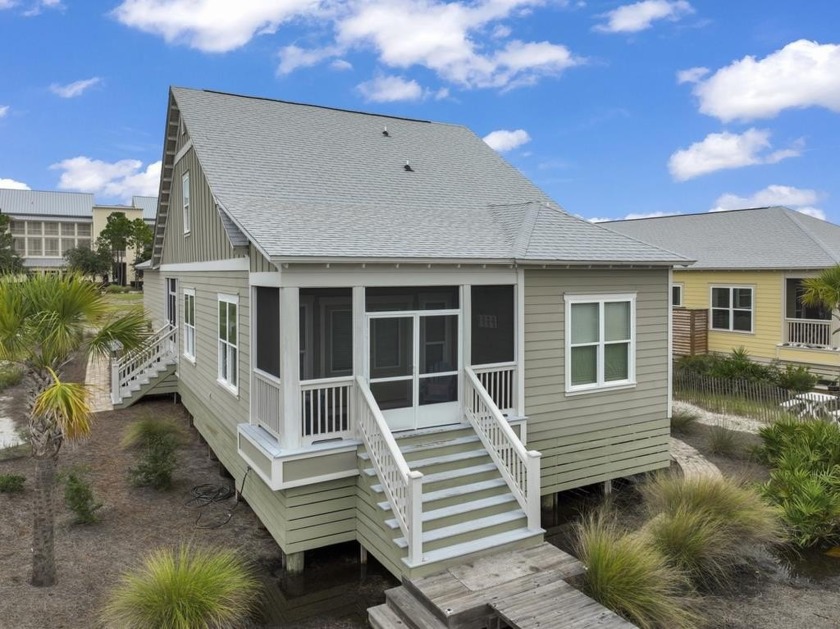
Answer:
(768, 313)
(153, 291)
(603, 435)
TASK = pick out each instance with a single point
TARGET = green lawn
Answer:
(122, 303)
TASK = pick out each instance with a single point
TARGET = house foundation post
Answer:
(608, 487)
(363, 555)
(549, 502)
(293, 563)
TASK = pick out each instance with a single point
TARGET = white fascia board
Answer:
(383, 275)
(231, 264)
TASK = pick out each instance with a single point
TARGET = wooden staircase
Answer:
(468, 510)
(146, 370)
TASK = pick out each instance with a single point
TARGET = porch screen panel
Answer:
(394, 298)
(492, 325)
(268, 330)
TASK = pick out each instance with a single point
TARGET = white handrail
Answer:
(158, 346)
(519, 467)
(403, 487)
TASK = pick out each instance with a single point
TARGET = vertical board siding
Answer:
(596, 436)
(259, 263)
(207, 239)
(768, 308)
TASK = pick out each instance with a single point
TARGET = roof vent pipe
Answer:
(408, 167)
(385, 132)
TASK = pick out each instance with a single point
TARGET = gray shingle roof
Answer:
(42, 203)
(756, 238)
(147, 204)
(312, 182)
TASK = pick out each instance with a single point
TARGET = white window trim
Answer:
(681, 286)
(185, 202)
(601, 384)
(225, 383)
(189, 292)
(731, 309)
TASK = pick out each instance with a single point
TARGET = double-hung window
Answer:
(677, 295)
(732, 308)
(600, 341)
(189, 323)
(228, 342)
(185, 193)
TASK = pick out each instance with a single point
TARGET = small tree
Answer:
(87, 262)
(824, 290)
(10, 261)
(120, 234)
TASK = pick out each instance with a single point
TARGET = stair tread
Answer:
(448, 458)
(409, 607)
(440, 476)
(477, 545)
(449, 492)
(383, 617)
(438, 443)
(462, 507)
(465, 527)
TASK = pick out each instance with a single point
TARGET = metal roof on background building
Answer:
(46, 203)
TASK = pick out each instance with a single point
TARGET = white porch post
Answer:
(290, 366)
(670, 307)
(519, 322)
(359, 350)
(466, 345)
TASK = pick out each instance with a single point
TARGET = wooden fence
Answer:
(745, 398)
(691, 331)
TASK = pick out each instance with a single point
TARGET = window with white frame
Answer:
(185, 188)
(676, 294)
(600, 341)
(189, 323)
(732, 308)
(228, 341)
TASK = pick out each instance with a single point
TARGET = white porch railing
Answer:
(809, 332)
(499, 380)
(125, 370)
(326, 407)
(519, 467)
(403, 488)
(267, 402)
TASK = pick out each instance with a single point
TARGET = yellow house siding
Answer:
(768, 303)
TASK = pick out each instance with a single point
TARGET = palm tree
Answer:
(824, 290)
(44, 321)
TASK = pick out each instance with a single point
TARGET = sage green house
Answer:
(397, 337)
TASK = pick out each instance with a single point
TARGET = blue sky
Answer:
(614, 108)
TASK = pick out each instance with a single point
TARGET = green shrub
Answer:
(78, 496)
(683, 421)
(157, 442)
(11, 483)
(706, 525)
(723, 440)
(627, 575)
(186, 588)
(815, 441)
(10, 375)
(809, 500)
(797, 379)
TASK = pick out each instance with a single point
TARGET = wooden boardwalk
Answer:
(523, 589)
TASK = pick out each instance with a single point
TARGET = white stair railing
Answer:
(519, 467)
(403, 487)
(125, 370)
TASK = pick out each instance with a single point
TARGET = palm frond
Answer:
(824, 289)
(66, 404)
(129, 330)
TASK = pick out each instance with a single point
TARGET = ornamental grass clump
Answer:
(157, 441)
(724, 441)
(706, 525)
(683, 421)
(626, 574)
(185, 588)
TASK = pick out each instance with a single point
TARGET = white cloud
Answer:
(632, 216)
(692, 75)
(632, 18)
(799, 199)
(29, 9)
(212, 25)
(3, 111)
(388, 89)
(77, 88)
(341, 64)
(719, 151)
(503, 140)
(802, 74)
(462, 42)
(120, 180)
(11, 183)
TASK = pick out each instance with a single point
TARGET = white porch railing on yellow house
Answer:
(326, 409)
(403, 487)
(519, 467)
(809, 332)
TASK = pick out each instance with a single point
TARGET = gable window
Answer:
(228, 342)
(189, 323)
(600, 341)
(676, 294)
(185, 193)
(732, 308)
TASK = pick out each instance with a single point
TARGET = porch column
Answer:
(290, 366)
(519, 341)
(359, 348)
(466, 346)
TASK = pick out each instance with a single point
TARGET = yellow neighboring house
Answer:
(745, 287)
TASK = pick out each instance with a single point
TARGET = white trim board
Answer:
(184, 150)
(231, 264)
